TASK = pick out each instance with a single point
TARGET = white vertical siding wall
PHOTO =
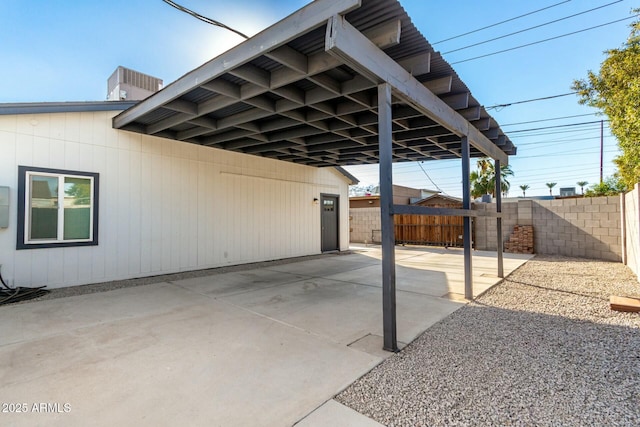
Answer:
(165, 206)
(631, 217)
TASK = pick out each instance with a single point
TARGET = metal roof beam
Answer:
(491, 133)
(289, 57)
(227, 136)
(482, 124)
(385, 35)
(294, 133)
(459, 101)
(223, 87)
(262, 102)
(182, 106)
(269, 147)
(203, 125)
(253, 74)
(347, 43)
(176, 119)
(420, 133)
(439, 86)
(326, 82)
(416, 65)
(291, 93)
(278, 124)
(241, 144)
(471, 113)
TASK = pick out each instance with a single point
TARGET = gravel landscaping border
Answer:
(540, 349)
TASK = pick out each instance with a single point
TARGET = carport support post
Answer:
(497, 167)
(466, 220)
(386, 219)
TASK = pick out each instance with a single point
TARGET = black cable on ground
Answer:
(9, 295)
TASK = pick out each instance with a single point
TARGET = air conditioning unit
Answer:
(130, 85)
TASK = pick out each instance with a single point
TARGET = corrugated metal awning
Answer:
(286, 94)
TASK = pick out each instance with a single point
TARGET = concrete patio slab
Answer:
(341, 311)
(210, 364)
(436, 271)
(334, 413)
(47, 318)
(263, 346)
(326, 266)
(238, 282)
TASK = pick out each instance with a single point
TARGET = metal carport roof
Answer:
(286, 94)
(339, 82)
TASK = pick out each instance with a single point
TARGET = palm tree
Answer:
(551, 185)
(524, 188)
(483, 181)
(582, 184)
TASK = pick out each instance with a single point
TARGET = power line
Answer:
(529, 100)
(409, 167)
(585, 131)
(567, 152)
(501, 22)
(521, 175)
(548, 120)
(203, 18)
(532, 28)
(436, 185)
(560, 142)
(542, 41)
(557, 126)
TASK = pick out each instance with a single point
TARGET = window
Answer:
(328, 205)
(56, 208)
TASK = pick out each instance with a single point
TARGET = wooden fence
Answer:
(428, 230)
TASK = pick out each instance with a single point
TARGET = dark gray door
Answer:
(329, 222)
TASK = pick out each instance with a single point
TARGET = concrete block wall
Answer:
(361, 222)
(631, 235)
(485, 228)
(589, 227)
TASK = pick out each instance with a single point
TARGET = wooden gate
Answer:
(428, 230)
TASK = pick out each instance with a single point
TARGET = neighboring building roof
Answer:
(353, 180)
(64, 107)
(402, 187)
(305, 90)
(438, 196)
(372, 197)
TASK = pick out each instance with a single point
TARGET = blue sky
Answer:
(66, 50)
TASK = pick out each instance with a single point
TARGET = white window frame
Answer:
(25, 179)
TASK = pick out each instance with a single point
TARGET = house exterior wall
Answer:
(165, 206)
(402, 195)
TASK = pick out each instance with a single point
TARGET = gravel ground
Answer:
(541, 349)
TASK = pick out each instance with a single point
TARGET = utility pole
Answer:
(601, 147)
